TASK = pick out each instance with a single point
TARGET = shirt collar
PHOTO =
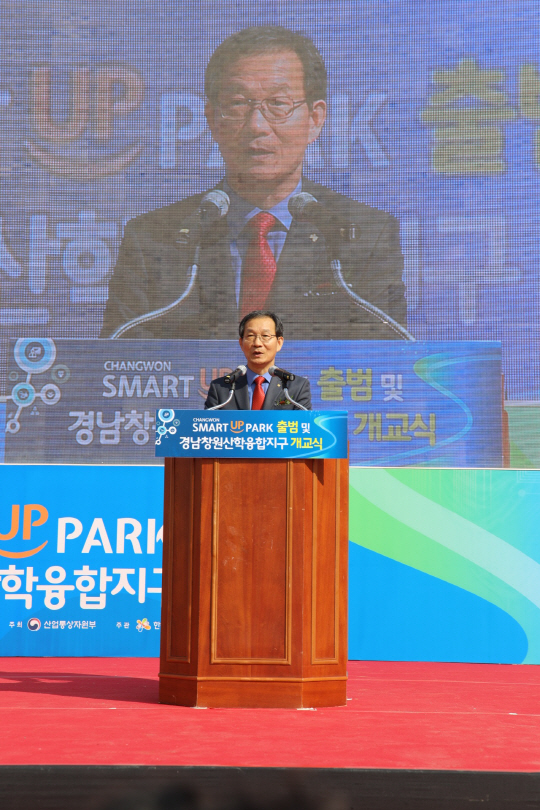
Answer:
(252, 374)
(241, 211)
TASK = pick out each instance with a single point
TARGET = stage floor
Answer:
(426, 716)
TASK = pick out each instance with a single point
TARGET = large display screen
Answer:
(421, 153)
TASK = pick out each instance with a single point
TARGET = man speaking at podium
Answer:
(265, 237)
(261, 338)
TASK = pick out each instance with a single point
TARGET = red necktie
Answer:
(259, 265)
(258, 394)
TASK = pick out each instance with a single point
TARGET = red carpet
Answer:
(99, 711)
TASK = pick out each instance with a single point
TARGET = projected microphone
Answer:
(213, 206)
(305, 207)
(235, 375)
(284, 376)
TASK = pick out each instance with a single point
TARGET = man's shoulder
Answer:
(167, 216)
(298, 378)
(344, 206)
(298, 383)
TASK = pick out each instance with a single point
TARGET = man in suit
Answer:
(266, 90)
(261, 338)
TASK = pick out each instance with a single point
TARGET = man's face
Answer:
(256, 152)
(259, 352)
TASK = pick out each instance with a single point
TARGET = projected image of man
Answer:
(314, 258)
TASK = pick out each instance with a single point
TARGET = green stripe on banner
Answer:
(392, 518)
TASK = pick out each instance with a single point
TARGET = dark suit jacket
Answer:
(152, 270)
(274, 400)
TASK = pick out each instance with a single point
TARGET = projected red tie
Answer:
(258, 394)
(259, 266)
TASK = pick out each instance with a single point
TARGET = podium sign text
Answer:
(251, 434)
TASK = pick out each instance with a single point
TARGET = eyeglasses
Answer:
(251, 338)
(275, 109)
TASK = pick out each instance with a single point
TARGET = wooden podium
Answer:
(254, 610)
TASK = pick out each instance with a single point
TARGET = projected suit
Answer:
(152, 271)
(266, 88)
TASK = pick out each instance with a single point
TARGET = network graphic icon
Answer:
(166, 423)
(34, 356)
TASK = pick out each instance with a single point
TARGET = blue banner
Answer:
(80, 561)
(421, 403)
(251, 434)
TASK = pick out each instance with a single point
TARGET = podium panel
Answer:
(251, 565)
(254, 609)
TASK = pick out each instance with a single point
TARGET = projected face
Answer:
(263, 124)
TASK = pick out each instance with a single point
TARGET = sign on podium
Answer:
(251, 434)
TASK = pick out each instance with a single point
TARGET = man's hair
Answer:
(263, 39)
(261, 313)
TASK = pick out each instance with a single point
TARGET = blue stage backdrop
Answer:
(433, 117)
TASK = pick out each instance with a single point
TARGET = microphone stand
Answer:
(157, 313)
(222, 404)
(292, 401)
(335, 264)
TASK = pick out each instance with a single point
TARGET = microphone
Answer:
(305, 207)
(235, 375)
(284, 376)
(231, 380)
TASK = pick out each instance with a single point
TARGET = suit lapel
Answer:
(274, 390)
(295, 268)
(217, 286)
(241, 395)
(299, 245)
